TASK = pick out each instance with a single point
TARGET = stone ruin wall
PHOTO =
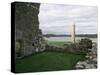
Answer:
(29, 38)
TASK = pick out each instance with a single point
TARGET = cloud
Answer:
(57, 19)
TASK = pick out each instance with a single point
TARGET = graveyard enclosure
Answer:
(28, 35)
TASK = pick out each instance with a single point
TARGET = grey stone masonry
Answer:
(29, 37)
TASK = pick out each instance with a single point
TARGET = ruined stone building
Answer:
(29, 37)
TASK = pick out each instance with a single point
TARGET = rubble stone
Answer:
(91, 61)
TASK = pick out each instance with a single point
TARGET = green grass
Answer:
(57, 43)
(48, 61)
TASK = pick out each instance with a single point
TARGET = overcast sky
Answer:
(58, 19)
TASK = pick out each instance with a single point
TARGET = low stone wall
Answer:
(91, 61)
(54, 48)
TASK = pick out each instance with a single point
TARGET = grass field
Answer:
(57, 43)
(48, 61)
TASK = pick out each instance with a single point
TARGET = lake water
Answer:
(68, 39)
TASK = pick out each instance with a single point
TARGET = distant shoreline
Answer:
(78, 35)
